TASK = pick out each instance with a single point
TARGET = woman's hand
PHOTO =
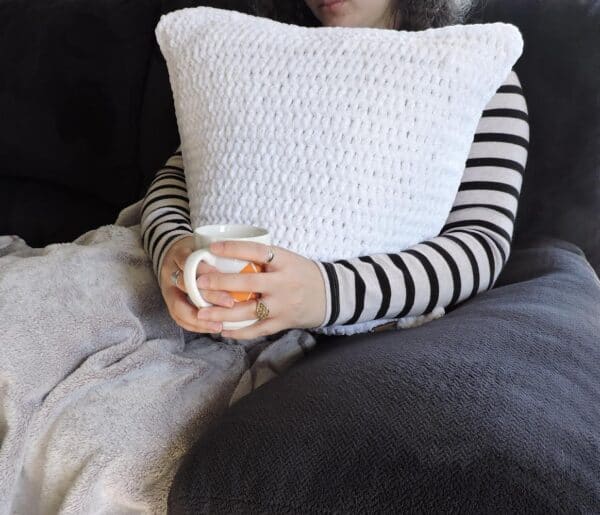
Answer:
(291, 286)
(181, 310)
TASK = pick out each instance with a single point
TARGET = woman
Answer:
(466, 257)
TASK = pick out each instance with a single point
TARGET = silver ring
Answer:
(175, 276)
(270, 256)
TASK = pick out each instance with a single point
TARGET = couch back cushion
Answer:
(560, 75)
(70, 98)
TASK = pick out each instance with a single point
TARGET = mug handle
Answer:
(189, 275)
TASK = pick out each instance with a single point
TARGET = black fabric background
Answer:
(70, 101)
(560, 74)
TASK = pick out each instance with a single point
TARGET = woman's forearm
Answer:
(165, 215)
(473, 246)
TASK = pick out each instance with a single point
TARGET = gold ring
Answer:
(262, 311)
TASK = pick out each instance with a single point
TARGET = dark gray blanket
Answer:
(494, 407)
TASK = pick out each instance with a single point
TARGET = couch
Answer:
(495, 407)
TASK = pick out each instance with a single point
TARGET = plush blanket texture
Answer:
(101, 393)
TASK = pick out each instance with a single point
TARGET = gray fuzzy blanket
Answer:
(101, 393)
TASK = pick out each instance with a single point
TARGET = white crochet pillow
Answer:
(342, 141)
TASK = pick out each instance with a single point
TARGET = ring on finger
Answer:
(262, 311)
(235, 313)
(270, 255)
(175, 276)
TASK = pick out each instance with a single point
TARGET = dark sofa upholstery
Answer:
(560, 73)
(70, 97)
(492, 408)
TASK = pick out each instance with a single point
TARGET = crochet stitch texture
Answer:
(342, 141)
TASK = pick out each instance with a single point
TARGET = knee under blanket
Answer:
(101, 393)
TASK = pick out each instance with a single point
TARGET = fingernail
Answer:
(215, 326)
(203, 281)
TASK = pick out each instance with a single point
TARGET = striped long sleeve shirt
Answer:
(463, 260)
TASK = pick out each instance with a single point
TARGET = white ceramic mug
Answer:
(203, 237)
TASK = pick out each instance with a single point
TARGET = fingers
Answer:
(236, 282)
(241, 311)
(260, 328)
(250, 251)
(203, 268)
(220, 298)
(183, 252)
(185, 314)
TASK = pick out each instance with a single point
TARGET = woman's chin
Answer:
(336, 21)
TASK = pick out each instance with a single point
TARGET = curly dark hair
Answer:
(412, 15)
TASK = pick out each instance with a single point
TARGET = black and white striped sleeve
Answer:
(473, 246)
(165, 216)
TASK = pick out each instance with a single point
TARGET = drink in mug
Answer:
(203, 237)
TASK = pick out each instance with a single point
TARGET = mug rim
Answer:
(213, 230)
